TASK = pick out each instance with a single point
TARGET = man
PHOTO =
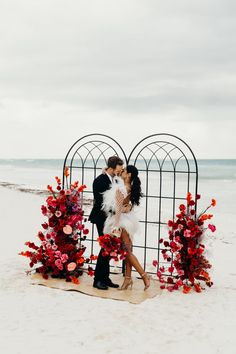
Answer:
(98, 217)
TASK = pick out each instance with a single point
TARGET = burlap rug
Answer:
(134, 296)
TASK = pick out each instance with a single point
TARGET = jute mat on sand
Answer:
(134, 296)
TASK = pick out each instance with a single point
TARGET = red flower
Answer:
(45, 225)
(213, 202)
(184, 250)
(212, 227)
(186, 289)
(74, 280)
(197, 288)
(81, 188)
(44, 210)
(182, 207)
(60, 254)
(189, 197)
(171, 269)
(155, 263)
(90, 271)
(66, 171)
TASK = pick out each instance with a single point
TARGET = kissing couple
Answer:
(116, 191)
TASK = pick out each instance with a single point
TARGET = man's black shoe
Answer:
(100, 285)
(111, 285)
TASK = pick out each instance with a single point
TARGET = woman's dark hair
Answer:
(136, 193)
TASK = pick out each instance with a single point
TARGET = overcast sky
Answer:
(126, 68)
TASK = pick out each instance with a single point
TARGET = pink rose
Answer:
(58, 213)
(64, 258)
(67, 229)
(71, 266)
(59, 264)
(58, 254)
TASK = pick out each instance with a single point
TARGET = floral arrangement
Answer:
(185, 250)
(112, 247)
(61, 253)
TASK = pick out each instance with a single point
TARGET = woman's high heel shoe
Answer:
(127, 282)
(148, 282)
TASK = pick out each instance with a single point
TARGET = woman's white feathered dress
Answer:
(127, 220)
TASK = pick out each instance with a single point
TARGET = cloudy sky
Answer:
(126, 68)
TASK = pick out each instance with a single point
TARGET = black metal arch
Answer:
(85, 159)
(176, 150)
(167, 169)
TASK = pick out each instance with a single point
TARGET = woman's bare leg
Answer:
(128, 268)
(131, 259)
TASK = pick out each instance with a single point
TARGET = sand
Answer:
(37, 319)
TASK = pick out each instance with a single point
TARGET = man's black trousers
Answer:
(102, 270)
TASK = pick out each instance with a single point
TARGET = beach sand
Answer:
(36, 319)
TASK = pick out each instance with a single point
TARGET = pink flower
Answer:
(54, 247)
(180, 272)
(64, 257)
(58, 254)
(49, 246)
(58, 213)
(212, 227)
(59, 264)
(71, 266)
(67, 229)
(75, 237)
(68, 192)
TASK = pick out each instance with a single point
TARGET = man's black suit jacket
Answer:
(100, 185)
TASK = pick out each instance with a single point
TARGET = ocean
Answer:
(36, 174)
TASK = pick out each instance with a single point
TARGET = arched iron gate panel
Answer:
(85, 160)
(168, 170)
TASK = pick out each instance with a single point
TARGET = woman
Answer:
(118, 203)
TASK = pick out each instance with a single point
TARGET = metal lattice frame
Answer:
(159, 158)
(163, 154)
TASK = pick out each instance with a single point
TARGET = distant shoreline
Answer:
(43, 192)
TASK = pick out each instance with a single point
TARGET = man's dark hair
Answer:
(113, 161)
